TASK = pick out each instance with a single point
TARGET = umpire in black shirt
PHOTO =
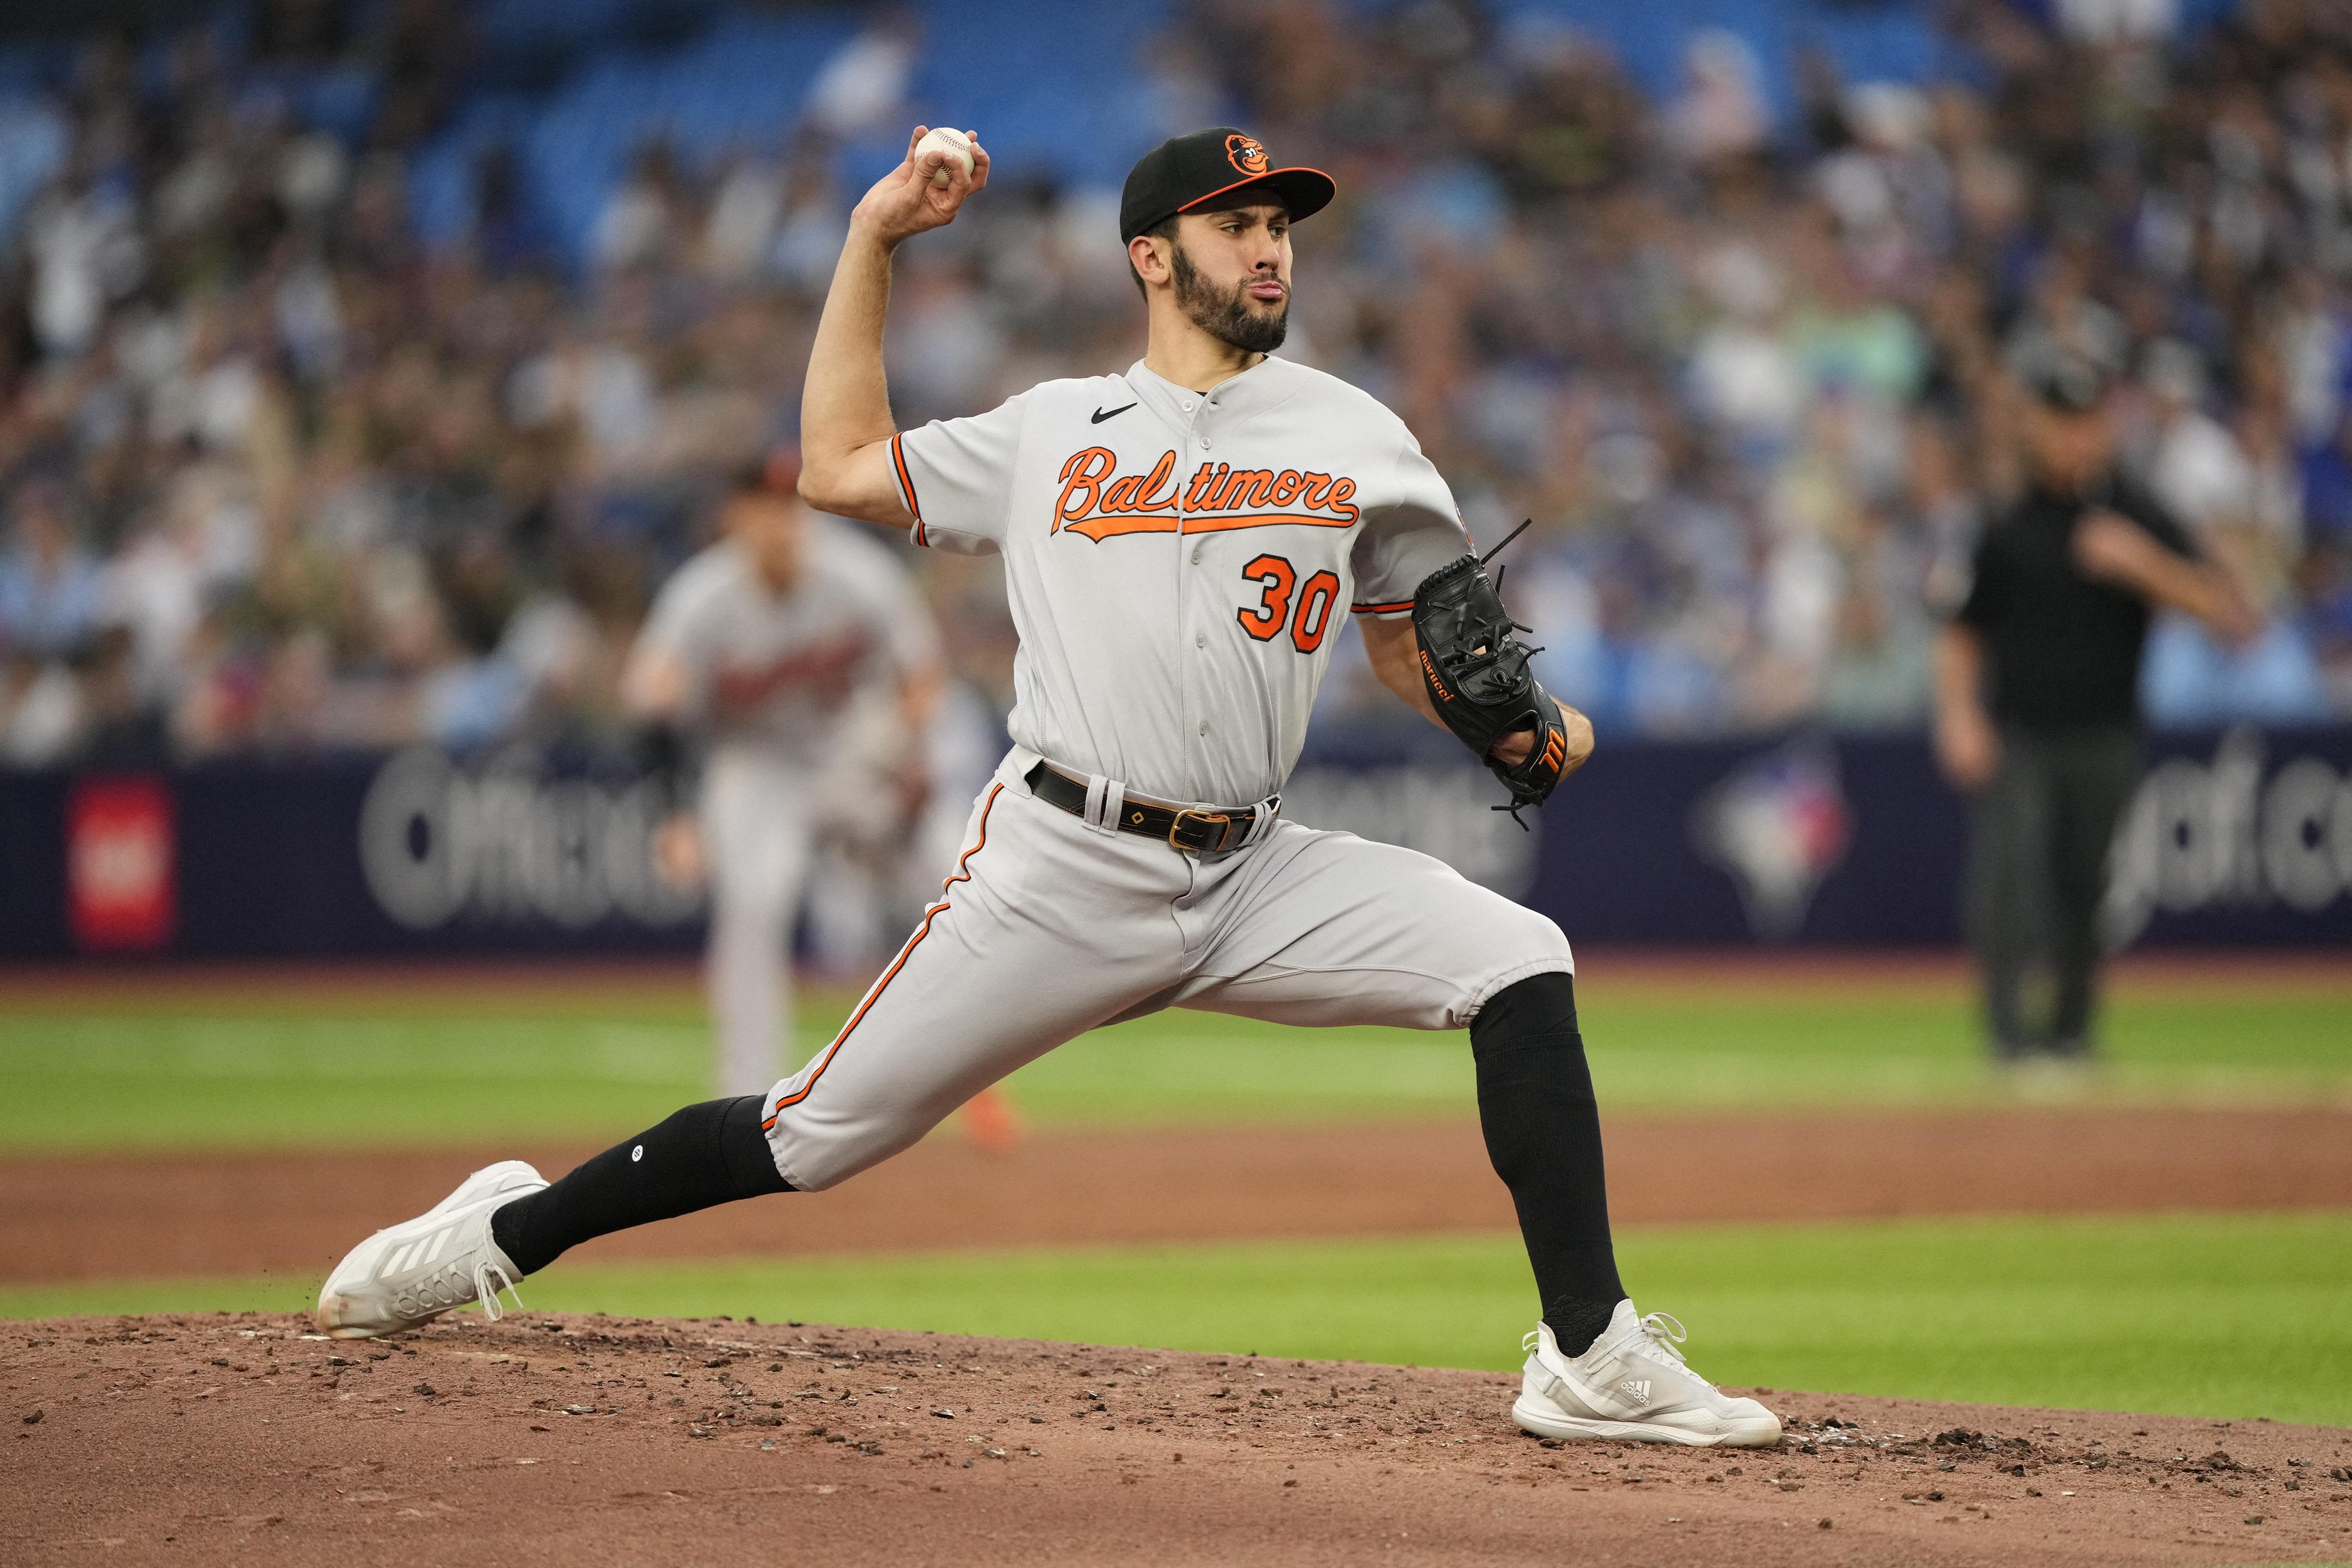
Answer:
(2037, 699)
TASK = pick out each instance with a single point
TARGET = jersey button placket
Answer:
(1187, 592)
(1195, 690)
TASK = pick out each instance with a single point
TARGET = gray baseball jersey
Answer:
(1177, 562)
(784, 671)
(798, 694)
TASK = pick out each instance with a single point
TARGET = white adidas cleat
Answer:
(409, 1274)
(1632, 1385)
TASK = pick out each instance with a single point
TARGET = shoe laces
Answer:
(1666, 1332)
(484, 1269)
(1662, 1331)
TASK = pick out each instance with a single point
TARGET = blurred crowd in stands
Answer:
(280, 475)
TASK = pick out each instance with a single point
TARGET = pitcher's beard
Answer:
(1225, 315)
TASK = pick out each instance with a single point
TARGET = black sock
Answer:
(1543, 1133)
(709, 1153)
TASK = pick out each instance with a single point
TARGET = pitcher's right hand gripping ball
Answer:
(1476, 675)
(923, 193)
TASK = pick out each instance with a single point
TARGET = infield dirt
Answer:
(152, 1216)
(581, 1441)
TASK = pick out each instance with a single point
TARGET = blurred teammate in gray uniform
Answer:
(1179, 542)
(803, 656)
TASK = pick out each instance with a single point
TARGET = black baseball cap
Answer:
(1185, 171)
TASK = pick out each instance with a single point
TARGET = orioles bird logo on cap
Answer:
(1247, 154)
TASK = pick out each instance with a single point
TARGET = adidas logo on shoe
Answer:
(1636, 1391)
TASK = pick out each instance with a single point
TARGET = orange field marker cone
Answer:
(989, 1122)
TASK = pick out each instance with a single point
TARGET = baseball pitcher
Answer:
(1178, 541)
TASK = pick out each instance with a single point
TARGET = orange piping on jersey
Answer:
(1380, 609)
(1101, 528)
(962, 874)
(906, 482)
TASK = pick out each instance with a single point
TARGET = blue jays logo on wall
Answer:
(1779, 824)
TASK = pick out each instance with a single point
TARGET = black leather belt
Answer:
(1204, 832)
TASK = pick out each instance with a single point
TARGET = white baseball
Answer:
(954, 143)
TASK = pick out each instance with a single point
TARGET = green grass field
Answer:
(2233, 1317)
(263, 1071)
(2228, 1315)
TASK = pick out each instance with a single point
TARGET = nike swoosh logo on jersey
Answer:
(1100, 415)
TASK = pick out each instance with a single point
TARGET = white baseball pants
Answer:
(1049, 926)
(758, 817)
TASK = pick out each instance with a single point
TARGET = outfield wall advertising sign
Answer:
(442, 846)
(2240, 838)
(119, 864)
(2250, 833)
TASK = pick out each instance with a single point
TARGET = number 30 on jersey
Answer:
(1278, 581)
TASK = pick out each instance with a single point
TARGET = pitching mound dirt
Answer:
(578, 1441)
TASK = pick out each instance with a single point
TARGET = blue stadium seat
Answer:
(743, 82)
(1053, 89)
(1073, 119)
(1886, 41)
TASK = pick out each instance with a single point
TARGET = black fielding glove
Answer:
(1476, 675)
(660, 755)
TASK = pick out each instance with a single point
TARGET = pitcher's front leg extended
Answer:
(1044, 930)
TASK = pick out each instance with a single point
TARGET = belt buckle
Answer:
(1176, 826)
